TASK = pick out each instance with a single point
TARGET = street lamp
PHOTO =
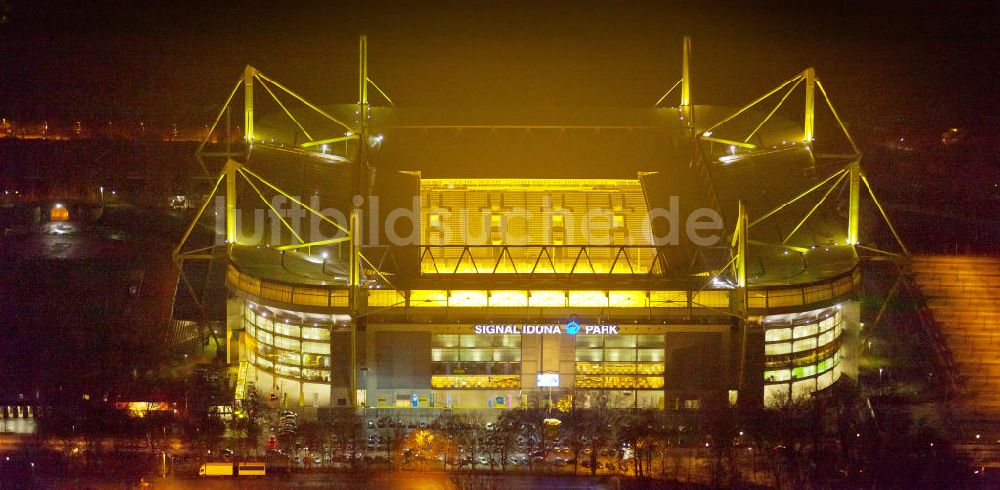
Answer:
(325, 256)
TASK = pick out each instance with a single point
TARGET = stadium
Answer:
(420, 259)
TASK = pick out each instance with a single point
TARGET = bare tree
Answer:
(503, 438)
(531, 427)
(719, 423)
(600, 421)
(346, 432)
(574, 430)
(392, 432)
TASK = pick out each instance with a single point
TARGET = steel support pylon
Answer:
(248, 74)
(686, 80)
(854, 208)
(809, 125)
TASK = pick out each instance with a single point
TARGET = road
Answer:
(383, 480)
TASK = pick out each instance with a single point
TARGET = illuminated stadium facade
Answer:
(654, 257)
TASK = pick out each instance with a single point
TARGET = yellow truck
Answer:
(216, 469)
(246, 468)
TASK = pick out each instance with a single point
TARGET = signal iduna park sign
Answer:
(570, 328)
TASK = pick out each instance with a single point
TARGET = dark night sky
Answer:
(921, 66)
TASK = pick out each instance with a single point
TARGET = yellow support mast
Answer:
(854, 209)
(248, 74)
(230, 170)
(740, 244)
(740, 299)
(810, 120)
(686, 81)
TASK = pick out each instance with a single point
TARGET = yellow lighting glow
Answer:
(668, 299)
(588, 298)
(437, 298)
(384, 297)
(467, 298)
(627, 299)
(547, 298)
(509, 298)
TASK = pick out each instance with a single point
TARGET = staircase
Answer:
(962, 294)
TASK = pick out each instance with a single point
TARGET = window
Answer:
(627, 299)
(444, 340)
(444, 382)
(778, 349)
(265, 322)
(588, 298)
(467, 298)
(428, 298)
(507, 355)
(806, 330)
(547, 298)
(804, 345)
(804, 371)
(509, 298)
(444, 355)
(619, 355)
(620, 341)
(824, 380)
(775, 394)
(777, 375)
(650, 355)
(668, 299)
(826, 338)
(385, 297)
(803, 388)
(287, 330)
(475, 361)
(287, 370)
(316, 333)
(316, 375)
(286, 343)
(826, 324)
(316, 347)
(475, 341)
(620, 361)
(777, 334)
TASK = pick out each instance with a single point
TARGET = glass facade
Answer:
(802, 353)
(475, 361)
(620, 362)
(287, 348)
